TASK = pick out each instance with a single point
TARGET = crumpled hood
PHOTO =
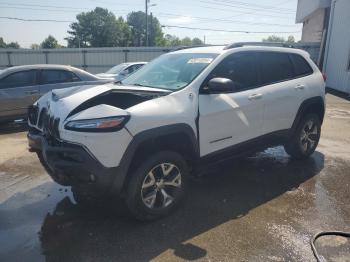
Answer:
(61, 102)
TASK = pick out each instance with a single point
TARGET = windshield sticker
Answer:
(204, 60)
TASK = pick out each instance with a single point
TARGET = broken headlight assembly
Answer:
(107, 124)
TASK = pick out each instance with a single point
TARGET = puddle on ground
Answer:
(46, 223)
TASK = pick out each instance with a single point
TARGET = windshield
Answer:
(171, 71)
(117, 69)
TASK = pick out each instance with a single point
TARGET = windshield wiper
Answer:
(140, 85)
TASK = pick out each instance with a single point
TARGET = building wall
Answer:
(313, 27)
(308, 7)
(337, 59)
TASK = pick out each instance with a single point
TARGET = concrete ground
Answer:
(263, 208)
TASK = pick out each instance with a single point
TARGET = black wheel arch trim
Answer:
(305, 105)
(149, 135)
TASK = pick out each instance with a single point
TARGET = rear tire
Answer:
(157, 186)
(304, 141)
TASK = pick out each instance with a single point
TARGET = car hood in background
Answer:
(103, 75)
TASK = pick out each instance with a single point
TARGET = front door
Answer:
(228, 119)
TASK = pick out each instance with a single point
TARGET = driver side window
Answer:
(240, 68)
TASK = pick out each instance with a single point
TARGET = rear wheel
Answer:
(306, 137)
(157, 186)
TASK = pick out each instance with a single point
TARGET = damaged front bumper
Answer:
(71, 164)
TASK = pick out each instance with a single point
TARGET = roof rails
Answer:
(187, 47)
(241, 44)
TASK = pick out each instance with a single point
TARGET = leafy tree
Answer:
(171, 40)
(137, 23)
(98, 28)
(2, 43)
(124, 32)
(10, 45)
(14, 45)
(186, 41)
(34, 46)
(279, 39)
(196, 41)
(291, 39)
(50, 42)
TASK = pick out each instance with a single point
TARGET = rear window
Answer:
(19, 79)
(301, 66)
(57, 76)
(275, 67)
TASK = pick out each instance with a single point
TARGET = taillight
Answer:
(324, 77)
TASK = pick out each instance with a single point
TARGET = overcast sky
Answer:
(231, 15)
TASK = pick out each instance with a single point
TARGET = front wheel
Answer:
(306, 137)
(157, 186)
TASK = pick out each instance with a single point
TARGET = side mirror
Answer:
(220, 85)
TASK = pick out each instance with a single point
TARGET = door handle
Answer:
(255, 96)
(32, 92)
(299, 87)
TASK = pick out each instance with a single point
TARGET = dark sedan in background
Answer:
(21, 86)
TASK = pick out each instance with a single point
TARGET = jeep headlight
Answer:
(107, 124)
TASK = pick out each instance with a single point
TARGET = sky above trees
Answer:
(269, 16)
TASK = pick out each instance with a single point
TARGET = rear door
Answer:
(18, 91)
(56, 79)
(283, 93)
(228, 119)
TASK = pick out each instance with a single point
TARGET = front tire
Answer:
(157, 186)
(304, 141)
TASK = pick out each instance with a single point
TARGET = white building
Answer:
(328, 22)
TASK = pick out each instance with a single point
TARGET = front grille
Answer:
(33, 112)
(49, 124)
(42, 117)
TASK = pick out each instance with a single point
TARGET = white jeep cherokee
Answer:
(184, 110)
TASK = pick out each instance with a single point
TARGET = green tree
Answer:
(137, 23)
(186, 41)
(34, 46)
(2, 43)
(98, 28)
(14, 45)
(196, 41)
(291, 39)
(9, 45)
(279, 39)
(172, 40)
(50, 42)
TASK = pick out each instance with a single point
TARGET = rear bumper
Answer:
(71, 164)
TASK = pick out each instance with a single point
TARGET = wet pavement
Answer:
(262, 208)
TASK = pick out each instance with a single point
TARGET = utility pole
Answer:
(146, 3)
(204, 40)
(151, 31)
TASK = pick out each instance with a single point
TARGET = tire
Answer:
(157, 186)
(304, 141)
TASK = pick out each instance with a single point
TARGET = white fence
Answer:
(97, 60)
(94, 60)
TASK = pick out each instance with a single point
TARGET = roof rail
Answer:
(187, 47)
(241, 44)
